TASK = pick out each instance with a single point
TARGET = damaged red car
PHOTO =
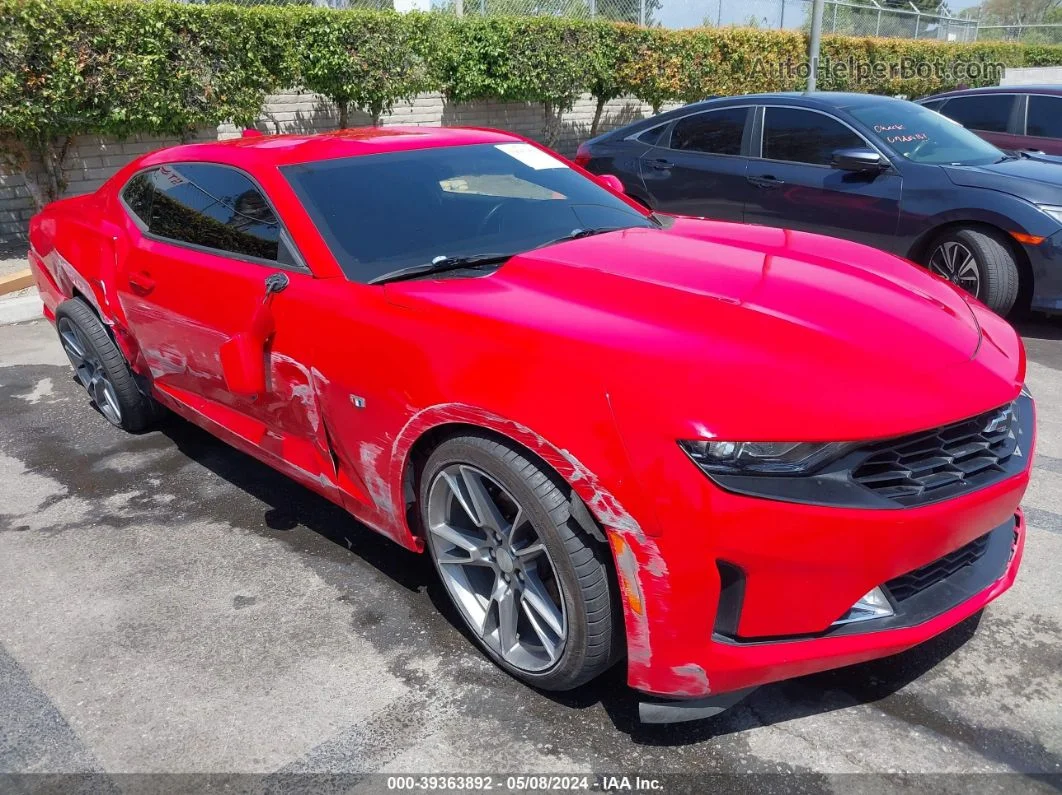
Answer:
(725, 454)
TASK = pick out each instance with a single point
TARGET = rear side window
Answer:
(803, 136)
(138, 195)
(1045, 117)
(652, 135)
(935, 104)
(987, 112)
(718, 132)
(207, 205)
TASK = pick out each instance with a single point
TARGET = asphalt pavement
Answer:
(169, 605)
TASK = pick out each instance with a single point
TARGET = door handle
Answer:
(766, 181)
(141, 282)
(659, 164)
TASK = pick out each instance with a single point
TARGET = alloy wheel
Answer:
(496, 568)
(89, 371)
(956, 263)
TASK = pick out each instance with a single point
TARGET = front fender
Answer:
(611, 497)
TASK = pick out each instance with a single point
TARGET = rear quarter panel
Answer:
(72, 252)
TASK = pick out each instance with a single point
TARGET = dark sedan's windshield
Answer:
(382, 213)
(924, 136)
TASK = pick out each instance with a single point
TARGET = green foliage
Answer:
(518, 59)
(522, 59)
(363, 60)
(120, 67)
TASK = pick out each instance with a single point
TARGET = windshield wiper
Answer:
(441, 264)
(575, 234)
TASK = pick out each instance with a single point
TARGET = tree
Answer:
(362, 61)
(1016, 12)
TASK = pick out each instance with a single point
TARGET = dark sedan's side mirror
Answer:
(612, 181)
(858, 160)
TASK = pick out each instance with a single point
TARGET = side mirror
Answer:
(243, 357)
(858, 160)
(613, 182)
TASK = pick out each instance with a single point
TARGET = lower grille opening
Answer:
(914, 582)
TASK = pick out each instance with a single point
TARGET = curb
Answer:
(21, 309)
(14, 282)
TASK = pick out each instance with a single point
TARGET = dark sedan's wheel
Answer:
(100, 367)
(529, 583)
(980, 262)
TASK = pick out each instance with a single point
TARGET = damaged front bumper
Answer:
(919, 617)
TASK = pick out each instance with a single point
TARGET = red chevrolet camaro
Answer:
(730, 454)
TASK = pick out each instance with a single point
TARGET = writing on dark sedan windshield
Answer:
(924, 136)
(382, 213)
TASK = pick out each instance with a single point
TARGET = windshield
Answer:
(381, 213)
(924, 136)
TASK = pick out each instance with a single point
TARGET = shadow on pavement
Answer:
(291, 506)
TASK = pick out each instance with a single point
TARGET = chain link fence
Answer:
(1023, 34)
(845, 17)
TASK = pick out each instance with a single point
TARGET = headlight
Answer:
(762, 458)
(1053, 210)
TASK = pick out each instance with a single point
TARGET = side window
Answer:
(935, 104)
(803, 136)
(717, 132)
(138, 195)
(1045, 117)
(215, 207)
(987, 112)
(652, 135)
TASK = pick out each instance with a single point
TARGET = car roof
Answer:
(820, 99)
(837, 100)
(1022, 89)
(280, 150)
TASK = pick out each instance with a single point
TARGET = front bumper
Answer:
(735, 665)
(746, 664)
(802, 567)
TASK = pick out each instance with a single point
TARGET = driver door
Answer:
(213, 291)
(793, 184)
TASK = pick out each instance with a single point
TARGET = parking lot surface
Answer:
(168, 604)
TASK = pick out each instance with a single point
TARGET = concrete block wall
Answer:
(93, 159)
(90, 161)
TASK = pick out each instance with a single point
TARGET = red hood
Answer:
(702, 314)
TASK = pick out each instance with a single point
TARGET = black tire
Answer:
(581, 562)
(137, 411)
(997, 267)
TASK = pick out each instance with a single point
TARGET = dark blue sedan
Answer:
(881, 171)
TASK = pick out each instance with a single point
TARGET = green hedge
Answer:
(70, 67)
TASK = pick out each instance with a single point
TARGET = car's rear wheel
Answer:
(101, 369)
(530, 584)
(979, 261)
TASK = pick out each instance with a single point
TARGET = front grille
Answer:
(914, 582)
(935, 465)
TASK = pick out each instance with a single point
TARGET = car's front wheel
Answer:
(979, 261)
(101, 369)
(531, 585)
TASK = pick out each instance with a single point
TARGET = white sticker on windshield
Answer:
(531, 156)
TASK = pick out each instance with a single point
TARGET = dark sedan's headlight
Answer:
(1053, 210)
(762, 458)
